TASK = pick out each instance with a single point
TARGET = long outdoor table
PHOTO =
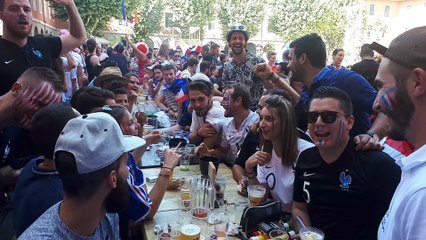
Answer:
(169, 205)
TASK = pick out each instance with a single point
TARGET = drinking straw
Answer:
(300, 222)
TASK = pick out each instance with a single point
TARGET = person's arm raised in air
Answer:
(77, 31)
(269, 77)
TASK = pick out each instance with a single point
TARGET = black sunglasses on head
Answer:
(326, 117)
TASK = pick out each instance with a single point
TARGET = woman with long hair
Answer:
(280, 148)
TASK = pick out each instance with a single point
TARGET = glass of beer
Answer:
(255, 194)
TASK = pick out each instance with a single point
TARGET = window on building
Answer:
(372, 9)
(210, 25)
(387, 10)
(408, 6)
(168, 20)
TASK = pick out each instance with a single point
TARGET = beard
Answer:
(400, 117)
(238, 50)
(295, 75)
(19, 33)
(118, 199)
(203, 111)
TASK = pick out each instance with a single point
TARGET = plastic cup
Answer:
(184, 161)
(311, 233)
(239, 206)
(190, 231)
(255, 194)
(147, 129)
(220, 189)
(186, 201)
(168, 235)
(186, 180)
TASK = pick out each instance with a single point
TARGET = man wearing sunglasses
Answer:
(307, 61)
(240, 68)
(342, 191)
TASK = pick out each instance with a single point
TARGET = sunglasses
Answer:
(239, 27)
(327, 116)
(177, 56)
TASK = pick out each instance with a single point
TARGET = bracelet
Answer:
(164, 175)
(248, 172)
(167, 168)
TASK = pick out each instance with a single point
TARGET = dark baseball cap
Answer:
(408, 49)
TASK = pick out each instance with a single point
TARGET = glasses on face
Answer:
(327, 116)
(177, 56)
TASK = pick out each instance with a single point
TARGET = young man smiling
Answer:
(342, 191)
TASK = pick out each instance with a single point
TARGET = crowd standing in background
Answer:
(340, 147)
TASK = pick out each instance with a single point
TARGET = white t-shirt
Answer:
(71, 76)
(233, 138)
(214, 116)
(279, 178)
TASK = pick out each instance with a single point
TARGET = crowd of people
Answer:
(340, 147)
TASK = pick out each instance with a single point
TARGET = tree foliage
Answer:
(192, 13)
(96, 14)
(292, 19)
(150, 15)
(250, 13)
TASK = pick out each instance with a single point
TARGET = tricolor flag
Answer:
(181, 97)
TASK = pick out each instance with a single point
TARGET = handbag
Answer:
(253, 215)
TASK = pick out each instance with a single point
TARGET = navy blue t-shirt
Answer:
(14, 60)
(36, 191)
(361, 92)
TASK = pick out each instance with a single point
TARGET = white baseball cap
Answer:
(96, 141)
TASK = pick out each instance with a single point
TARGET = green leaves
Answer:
(250, 13)
(96, 14)
(150, 18)
(292, 19)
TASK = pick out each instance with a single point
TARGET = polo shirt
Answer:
(14, 60)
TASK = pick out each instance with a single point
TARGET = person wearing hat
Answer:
(401, 80)
(39, 186)
(91, 159)
(110, 78)
(240, 68)
(141, 50)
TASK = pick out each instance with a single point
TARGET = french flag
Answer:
(181, 97)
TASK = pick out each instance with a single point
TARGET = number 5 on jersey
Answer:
(305, 190)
